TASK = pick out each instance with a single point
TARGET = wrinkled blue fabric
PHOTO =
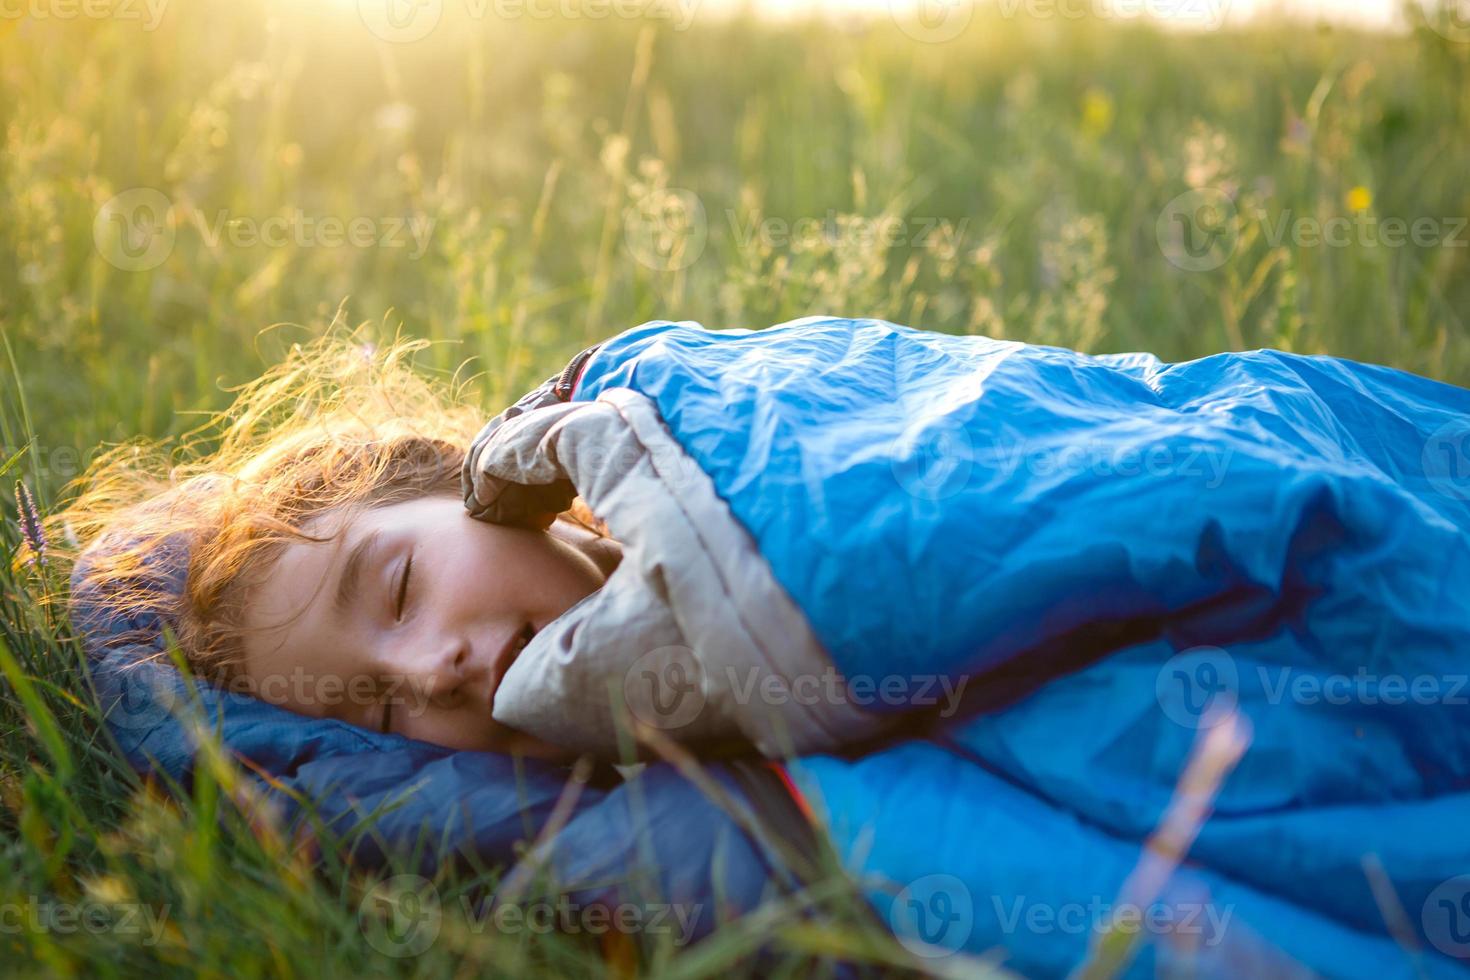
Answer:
(1153, 543)
(946, 503)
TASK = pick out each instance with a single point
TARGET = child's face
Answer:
(475, 592)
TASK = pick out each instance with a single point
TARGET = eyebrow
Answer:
(349, 582)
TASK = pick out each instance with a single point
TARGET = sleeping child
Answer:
(683, 530)
(1006, 586)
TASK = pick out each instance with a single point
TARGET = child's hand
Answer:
(531, 461)
(511, 474)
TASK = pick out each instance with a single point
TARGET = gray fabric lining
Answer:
(691, 634)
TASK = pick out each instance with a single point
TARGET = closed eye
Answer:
(403, 586)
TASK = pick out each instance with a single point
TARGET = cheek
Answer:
(454, 729)
(528, 571)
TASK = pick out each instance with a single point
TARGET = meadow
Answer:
(186, 190)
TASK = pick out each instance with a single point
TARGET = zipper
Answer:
(566, 383)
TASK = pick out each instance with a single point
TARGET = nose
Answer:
(448, 672)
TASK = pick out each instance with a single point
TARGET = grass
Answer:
(519, 188)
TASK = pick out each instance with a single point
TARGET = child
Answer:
(333, 569)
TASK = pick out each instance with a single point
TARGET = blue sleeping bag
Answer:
(1037, 577)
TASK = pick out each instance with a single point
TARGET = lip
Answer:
(506, 655)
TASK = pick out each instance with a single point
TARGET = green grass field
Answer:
(182, 200)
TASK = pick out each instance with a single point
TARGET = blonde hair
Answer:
(339, 425)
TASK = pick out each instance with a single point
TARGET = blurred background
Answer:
(190, 186)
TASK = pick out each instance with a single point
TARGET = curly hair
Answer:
(339, 425)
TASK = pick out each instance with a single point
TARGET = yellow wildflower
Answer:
(1097, 112)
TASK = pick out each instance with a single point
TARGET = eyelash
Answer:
(403, 586)
(386, 724)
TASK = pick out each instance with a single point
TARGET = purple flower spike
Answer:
(30, 523)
